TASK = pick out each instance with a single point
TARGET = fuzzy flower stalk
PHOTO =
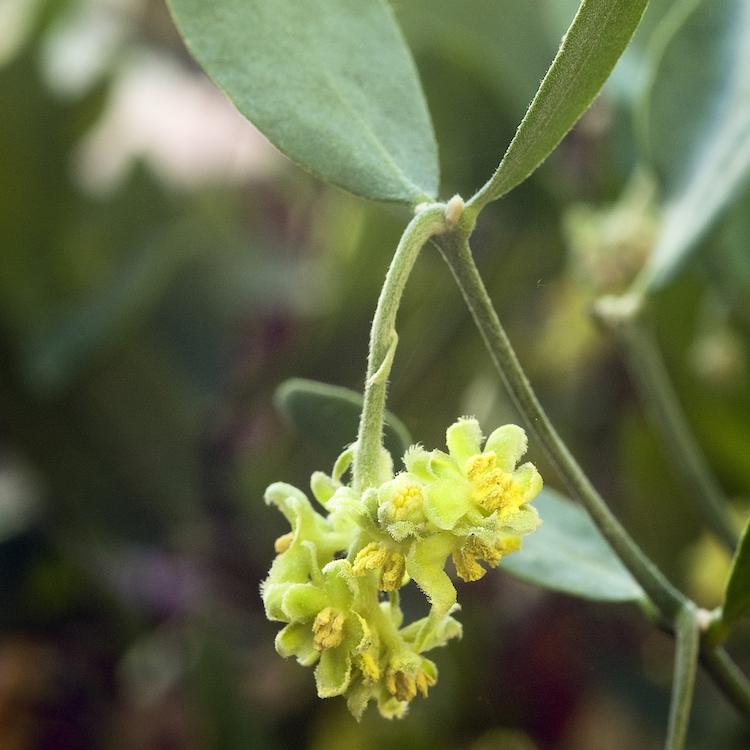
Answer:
(336, 578)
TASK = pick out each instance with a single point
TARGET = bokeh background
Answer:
(163, 270)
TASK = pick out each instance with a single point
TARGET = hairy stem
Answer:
(367, 456)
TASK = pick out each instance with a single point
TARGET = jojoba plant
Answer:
(332, 84)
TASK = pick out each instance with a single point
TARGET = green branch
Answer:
(728, 676)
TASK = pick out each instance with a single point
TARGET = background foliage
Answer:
(162, 271)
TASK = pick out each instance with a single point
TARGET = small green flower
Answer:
(324, 627)
(478, 498)
(471, 503)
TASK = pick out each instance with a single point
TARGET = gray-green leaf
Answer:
(330, 83)
(569, 554)
(696, 123)
(328, 416)
(737, 595)
(600, 32)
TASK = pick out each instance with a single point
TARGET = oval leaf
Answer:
(330, 83)
(599, 34)
(737, 595)
(696, 120)
(569, 554)
(328, 416)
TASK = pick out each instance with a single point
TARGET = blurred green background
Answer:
(163, 270)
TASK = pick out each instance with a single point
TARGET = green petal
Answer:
(522, 521)
(464, 439)
(346, 502)
(323, 487)
(446, 501)
(334, 671)
(389, 707)
(273, 595)
(439, 631)
(306, 522)
(417, 462)
(529, 481)
(443, 466)
(297, 640)
(340, 584)
(359, 695)
(302, 601)
(509, 443)
(425, 562)
(343, 462)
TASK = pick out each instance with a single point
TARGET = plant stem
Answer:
(686, 662)
(727, 675)
(367, 455)
(650, 373)
(455, 248)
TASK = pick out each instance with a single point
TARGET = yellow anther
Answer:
(467, 567)
(375, 556)
(328, 629)
(401, 685)
(283, 543)
(368, 666)
(392, 574)
(497, 490)
(424, 681)
(369, 557)
(408, 499)
(478, 464)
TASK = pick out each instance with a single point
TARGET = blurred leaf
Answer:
(75, 334)
(599, 34)
(569, 554)
(331, 84)
(328, 416)
(226, 720)
(696, 121)
(737, 596)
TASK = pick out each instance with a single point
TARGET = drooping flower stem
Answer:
(428, 222)
(455, 248)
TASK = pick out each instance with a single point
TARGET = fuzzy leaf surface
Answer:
(330, 83)
(328, 416)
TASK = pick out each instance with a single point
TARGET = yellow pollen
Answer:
(283, 543)
(328, 629)
(392, 574)
(406, 501)
(401, 685)
(374, 556)
(369, 557)
(467, 567)
(424, 681)
(369, 668)
(478, 464)
(496, 490)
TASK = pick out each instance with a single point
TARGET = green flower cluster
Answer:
(328, 580)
